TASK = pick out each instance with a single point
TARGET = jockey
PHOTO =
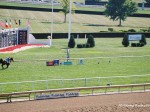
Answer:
(7, 60)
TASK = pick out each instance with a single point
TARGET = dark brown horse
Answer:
(6, 62)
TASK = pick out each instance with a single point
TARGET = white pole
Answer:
(28, 30)
(77, 38)
(70, 18)
(52, 20)
(143, 5)
(17, 30)
(85, 38)
(28, 34)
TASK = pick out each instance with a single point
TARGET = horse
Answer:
(6, 62)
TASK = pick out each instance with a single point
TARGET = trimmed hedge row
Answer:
(137, 44)
(83, 45)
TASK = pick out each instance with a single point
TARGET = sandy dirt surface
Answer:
(131, 102)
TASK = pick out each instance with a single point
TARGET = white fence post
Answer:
(73, 81)
(17, 89)
(32, 85)
(85, 83)
(1, 89)
(47, 84)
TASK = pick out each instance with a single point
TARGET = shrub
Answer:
(144, 30)
(87, 45)
(123, 30)
(141, 44)
(132, 30)
(143, 40)
(137, 44)
(84, 45)
(79, 45)
(90, 40)
(133, 44)
(71, 42)
(110, 29)
(125, 41)
(149, 29)
(103, 31)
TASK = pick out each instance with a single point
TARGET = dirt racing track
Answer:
(124, 102)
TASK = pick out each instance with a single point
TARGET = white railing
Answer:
(68, 83)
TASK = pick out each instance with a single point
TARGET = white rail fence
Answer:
(69, 83)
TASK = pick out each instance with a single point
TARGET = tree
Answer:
(148, 1)
(71, 42)
(65, 8)
(90, 40)
(120, 9)
(125, 41)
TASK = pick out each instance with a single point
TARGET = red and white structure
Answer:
(18, 36)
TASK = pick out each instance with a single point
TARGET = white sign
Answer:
(134, 37)
(56, 95)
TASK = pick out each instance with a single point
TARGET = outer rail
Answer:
(9, 96)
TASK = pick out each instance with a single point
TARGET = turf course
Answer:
(31, 64)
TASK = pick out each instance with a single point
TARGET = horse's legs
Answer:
(7, 65)
(2, 66)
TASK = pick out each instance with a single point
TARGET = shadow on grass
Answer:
(112, 26)
(65, 48)
(53, 22)
(3, 68)
(93, 25)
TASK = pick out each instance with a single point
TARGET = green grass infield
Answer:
(107, 59)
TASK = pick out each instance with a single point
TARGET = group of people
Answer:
(8, 24)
